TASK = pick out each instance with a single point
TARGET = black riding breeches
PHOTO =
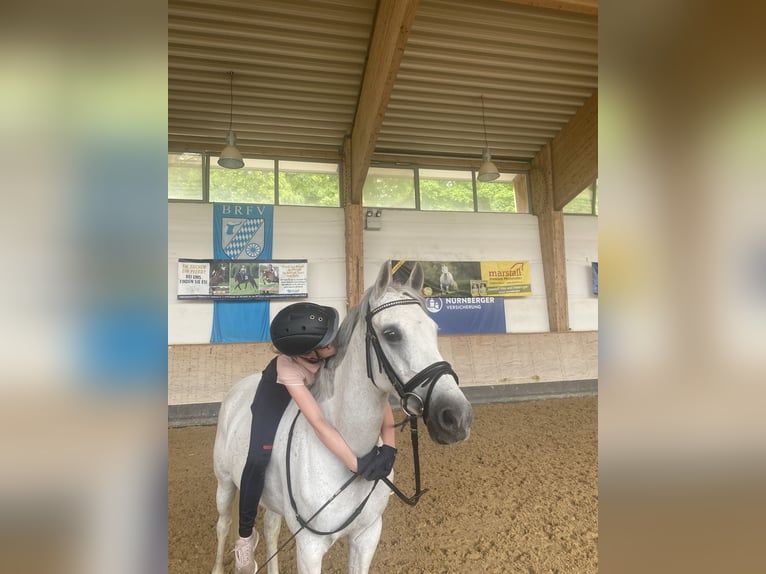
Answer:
(269, 404)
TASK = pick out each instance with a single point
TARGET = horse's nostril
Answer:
(448, 419)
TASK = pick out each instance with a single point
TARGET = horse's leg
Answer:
(272, 523)
(223, 499)
(362, 548)
(311, 551)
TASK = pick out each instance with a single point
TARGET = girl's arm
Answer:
(329, 436)
(387, 428)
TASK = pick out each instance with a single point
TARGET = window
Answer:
(198, 177)
(389, 187)
(185, 176)
(308, 183)
(253, 183)
(585, 203)
(445, 190)
(506, 194)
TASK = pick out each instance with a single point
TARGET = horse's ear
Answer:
(417, 277)
(384, 279)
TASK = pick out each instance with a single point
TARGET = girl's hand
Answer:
(367, 463)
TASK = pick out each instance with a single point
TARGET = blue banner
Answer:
(241, 231)
(467, 315)
(594, 267)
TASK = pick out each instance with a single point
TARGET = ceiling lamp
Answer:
(230, 156)
(487, 171)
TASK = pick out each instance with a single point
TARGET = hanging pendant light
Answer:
(487, 171)
(230, 157)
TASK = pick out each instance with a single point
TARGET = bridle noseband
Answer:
(427, 377)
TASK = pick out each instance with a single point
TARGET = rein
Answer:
(305, 523)
(426, 377)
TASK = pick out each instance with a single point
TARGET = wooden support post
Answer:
(521, 191)
(353, 234)
(551, 226)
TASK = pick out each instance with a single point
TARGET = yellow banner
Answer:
(506, 278)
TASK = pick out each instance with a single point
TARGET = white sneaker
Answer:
(244, 552)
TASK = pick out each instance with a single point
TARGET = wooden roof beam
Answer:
(574, 153)
(391, 30)
(589, 7)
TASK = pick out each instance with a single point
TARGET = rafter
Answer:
(389, 38)
(589, 7)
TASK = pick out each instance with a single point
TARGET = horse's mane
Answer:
(324, 386)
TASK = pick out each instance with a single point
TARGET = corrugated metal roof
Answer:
(299, 66)
(297, 71)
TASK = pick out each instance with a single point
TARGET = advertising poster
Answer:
(468, 297)
(193, 278)
(242, 279)
(470, 278)
(467, 315)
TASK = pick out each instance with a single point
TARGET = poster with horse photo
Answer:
(458, 296)
(242, 279)
(470, 278)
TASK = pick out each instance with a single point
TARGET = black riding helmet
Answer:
(302, 327)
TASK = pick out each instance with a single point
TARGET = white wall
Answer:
(190, 236)
(317, 234)
(581, 244)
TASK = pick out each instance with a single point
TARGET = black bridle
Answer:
(425, 378)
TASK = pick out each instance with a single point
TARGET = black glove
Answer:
(365, 463)
(385, 459)
(383, 463)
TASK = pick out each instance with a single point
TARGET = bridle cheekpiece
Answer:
(426, 377)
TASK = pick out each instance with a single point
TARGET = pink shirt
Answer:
(294, 371)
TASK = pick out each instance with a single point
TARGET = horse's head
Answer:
(404, 358)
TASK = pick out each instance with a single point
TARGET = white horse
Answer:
(390, 335)
(446, 281)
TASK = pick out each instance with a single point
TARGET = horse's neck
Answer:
(356, 407)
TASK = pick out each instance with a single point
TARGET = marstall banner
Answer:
(242, 279)
(241, 231)
(470, 278)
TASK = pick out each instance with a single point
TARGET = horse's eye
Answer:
(392, 335)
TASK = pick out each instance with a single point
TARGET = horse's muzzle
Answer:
(449, 418)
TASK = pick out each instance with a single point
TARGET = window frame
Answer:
(206, 170)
